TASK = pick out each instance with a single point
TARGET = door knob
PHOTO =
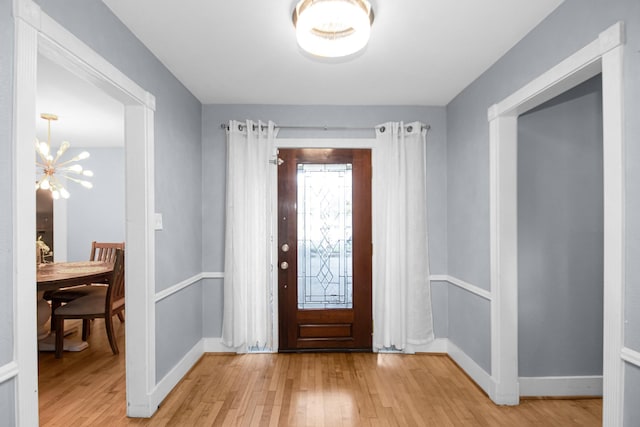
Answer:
(285, 248)
(284, 265)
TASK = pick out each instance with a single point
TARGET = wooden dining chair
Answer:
(100, 251)
(104, 304)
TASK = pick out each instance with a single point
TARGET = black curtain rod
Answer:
(325, 128)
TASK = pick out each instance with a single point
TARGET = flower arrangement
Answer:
(42, 251)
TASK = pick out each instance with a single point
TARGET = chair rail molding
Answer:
(476, 290)
(630, 356)
(8, 371)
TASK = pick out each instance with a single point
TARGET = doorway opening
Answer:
(603, 55)
(37, 34)
(560, 245)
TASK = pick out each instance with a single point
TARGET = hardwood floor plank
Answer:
(310, 389)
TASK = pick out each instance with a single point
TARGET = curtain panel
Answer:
(401, 288)
(247, 317)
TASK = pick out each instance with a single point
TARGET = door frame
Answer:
(366, 143)
(603, 55)
(38, 34)
(362, 285)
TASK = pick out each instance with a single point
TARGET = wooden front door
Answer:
(324, 249)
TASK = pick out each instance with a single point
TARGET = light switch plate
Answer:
(158, 221)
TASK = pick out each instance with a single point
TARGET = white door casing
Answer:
(603, 55)
(37, 34)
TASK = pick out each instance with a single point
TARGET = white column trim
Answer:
(476, 290)
(605, 54)
(24, 208)
(613, 155)
(630, 356)
(140, 334)
(503, 197)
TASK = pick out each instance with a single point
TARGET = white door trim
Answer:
(604, 54)
(38, 34)
(365, 143)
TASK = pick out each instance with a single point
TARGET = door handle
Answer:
(284, 265)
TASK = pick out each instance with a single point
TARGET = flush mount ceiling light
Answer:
(332, 28)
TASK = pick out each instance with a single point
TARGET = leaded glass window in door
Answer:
(325, 262)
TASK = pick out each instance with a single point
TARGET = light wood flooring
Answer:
(320, 389)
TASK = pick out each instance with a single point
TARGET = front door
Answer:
(324, 249)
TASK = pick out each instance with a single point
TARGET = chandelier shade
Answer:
(51, 168)
(333, 28)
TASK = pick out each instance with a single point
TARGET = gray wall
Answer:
(6, 183)
(573, 25)
(179, 336)
(560, 235)
(177, 163)
(7, 404)
(96, 214)
(631, 387)
(213, 178)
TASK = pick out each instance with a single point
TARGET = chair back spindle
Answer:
(105, 252)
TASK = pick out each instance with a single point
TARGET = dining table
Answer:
(57, 275)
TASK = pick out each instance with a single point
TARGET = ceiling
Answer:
(421, 52)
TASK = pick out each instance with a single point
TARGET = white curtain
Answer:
(247, 318)
(401, 290)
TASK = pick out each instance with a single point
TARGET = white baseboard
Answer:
(214, 345)
(561, 386)
(439, 345)
(166, 385)
(471, 368)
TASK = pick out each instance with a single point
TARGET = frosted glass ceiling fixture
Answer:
(52, 169)
(332, 28)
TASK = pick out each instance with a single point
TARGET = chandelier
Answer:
(53, 169)
(332, 28)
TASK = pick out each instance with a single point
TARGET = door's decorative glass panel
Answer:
(325, 261)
